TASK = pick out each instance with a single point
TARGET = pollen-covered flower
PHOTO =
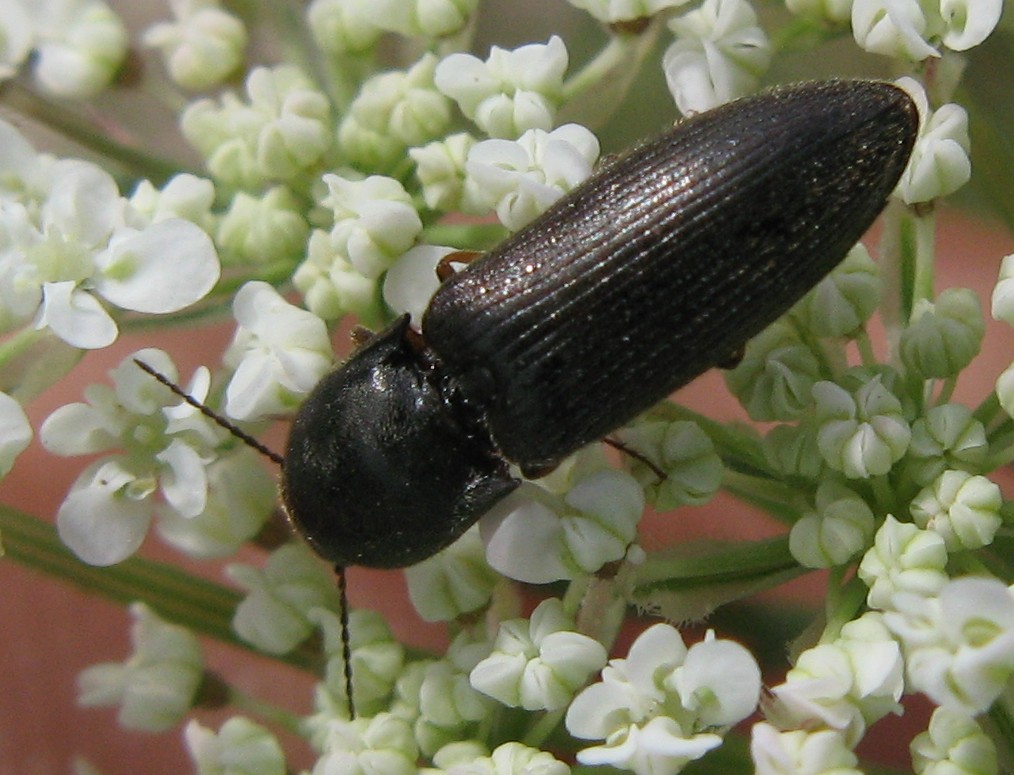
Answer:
(719, 54)
(536, 537)
(279, 353)
(165, 447)
(203, 46)
(512, 91)
(540, 662)
(156, 685)
(664, 705)
(521, 179)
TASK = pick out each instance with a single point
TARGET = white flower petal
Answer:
(185, 482)
(15, 432)
(75, 316)
(164, 268)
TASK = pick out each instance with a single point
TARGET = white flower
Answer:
(267, 228)
(656, 709)
(963, 509)
(15, 432)
(382, 744)
(862, 433)
(530, 540)
(275, 614)
(613, 11)
(522, 178)
(953, 743)
(374, 221)
(1003, 293)
(894, 28)
(452, 582)
(967, 23)
(281, 131)
(940, 163)
(512, 91)
(156, 685)
(184, 196)
(241, 499)
(79, 46)
(279, 353)
(17, 34)
(446, 697)
(959, 645)
(74, 246)
(799, 752)
(538, 663)
(440, 168)
(240, 747)
(412, 280)
(511, 759)
(166, 444)
(903, 558)
(203, 46)
(1005, 389)
(332, 287)
(719, 54)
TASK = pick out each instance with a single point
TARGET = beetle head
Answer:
(380, 469)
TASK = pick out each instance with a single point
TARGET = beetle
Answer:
(659, 266)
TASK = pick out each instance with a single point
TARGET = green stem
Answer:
(265, 710)
(137, 163)
(195, 603)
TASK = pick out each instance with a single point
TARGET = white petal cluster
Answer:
(381, 744)
(165, 447)
(940, 163)
(846, 684)
(78, 45)
(280, 131)
(240, 747)
(945, 437)
(203, 46)
(664, 705)
(156, 685)
(455, 581)
(440, 168)
(15, 432)
(392, 112)
(279, 352)
(614, 11)
(840, 527)
(512, 91)
(540, 662)
(908, 29)
(269, 227)
(69, 242)
(719, 54)
(332, 287)
(953, 743)
(800, 752)
(903, 558)
(862, 433)
(959, 644)
(521, 179)
(275, 614)
(963, 509)
(537, 537)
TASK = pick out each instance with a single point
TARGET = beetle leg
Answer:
(638, 456)
(444, 269)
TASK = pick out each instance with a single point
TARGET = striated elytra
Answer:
(658, 267)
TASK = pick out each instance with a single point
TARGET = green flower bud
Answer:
(863, 433)
(264, 229)
(775, 378)
(792, 449)
(841, 527)
(943, 337)
(844, 300)
(948, 436)
(1003, 293)
(686, 454)
(954, 744)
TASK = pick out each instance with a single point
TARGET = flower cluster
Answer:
(333, 182)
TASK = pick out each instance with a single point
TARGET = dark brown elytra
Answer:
(657, 268)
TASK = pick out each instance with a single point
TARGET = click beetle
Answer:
(659, 266)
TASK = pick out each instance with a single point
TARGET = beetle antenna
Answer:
(212, 415)
(274, 457)
(626, 449)
(343, 608)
